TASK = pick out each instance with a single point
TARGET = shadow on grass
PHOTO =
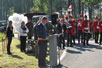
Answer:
(1, 55)
(18, 46)
(16, 56)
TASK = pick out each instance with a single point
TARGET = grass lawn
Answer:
(18, 59)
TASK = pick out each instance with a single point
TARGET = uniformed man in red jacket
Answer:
(79, 28)
(69, 31)
(73, 30)
(96, 28)
(86, 25)
(100, 31)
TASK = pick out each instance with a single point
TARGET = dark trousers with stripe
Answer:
(42, 47)
(69, 39)
(86, 37)
(96, 37)
(100, 38)
(61, 39)
(79, 36)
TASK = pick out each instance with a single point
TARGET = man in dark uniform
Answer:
(96, 29)
(79, 25)
(30, 27)
(60, 30)
(64, 32)
(42, 41)
(74, 31)
(29, 35)
(86, 30)
(100, 31)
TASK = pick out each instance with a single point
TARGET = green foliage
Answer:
(11, 10)
(40, 6)
(91, 2)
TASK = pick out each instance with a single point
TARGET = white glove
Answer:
(69, 27)
(98, 27)
(79, 24)
(86, 28)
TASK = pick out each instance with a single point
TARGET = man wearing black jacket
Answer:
(42, 34)
(61, 30)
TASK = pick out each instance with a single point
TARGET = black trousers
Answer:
(96, 37)
(9, 43)
(42, 47)
(80, 36)
(100, 37)
(61, 39)
(73, 38)
(69, 39)
(86, 37)
(23, 43)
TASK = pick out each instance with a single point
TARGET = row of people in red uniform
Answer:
(83, 29)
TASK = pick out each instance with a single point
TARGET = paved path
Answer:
(83, 56)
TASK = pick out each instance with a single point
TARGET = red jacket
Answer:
(86, 25)
(95, 25)
(77, 24)
(73, 30)
(68, 30)
(100, 25)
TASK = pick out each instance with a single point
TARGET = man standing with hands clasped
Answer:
(96, 28)
(42, 41)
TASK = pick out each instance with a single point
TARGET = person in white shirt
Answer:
(23, 30)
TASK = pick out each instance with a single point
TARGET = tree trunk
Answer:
(79, 6)
(90, 13)
(82, 9)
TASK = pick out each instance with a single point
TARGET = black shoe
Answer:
(9, 53)
(99, 43)
(71, 45)
(96, 42)
(44, 65)
(87, 44)
(67, 45)
(22, 51)
(84, 44)
(63, 48)
(74, 43)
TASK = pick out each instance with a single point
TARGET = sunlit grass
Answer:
(18, 59)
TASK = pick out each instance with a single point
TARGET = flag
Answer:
(70, 8)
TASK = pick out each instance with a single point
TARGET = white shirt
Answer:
(21, 33)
